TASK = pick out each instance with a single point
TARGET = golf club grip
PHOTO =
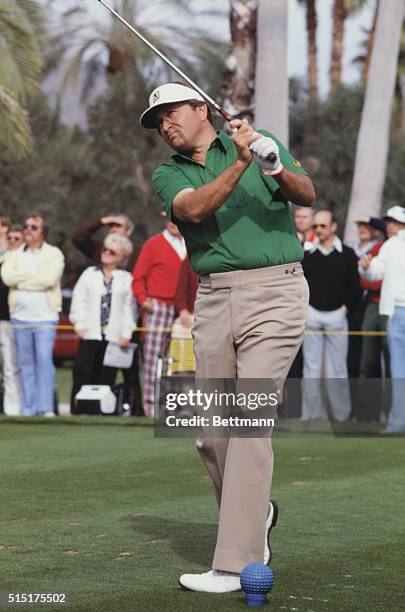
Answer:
(228, 117)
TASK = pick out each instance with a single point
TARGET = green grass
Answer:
(102, 511)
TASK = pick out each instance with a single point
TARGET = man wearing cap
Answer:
(368, 237)
(389, 265)
(231, 205)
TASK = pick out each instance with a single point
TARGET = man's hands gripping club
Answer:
(261, 148)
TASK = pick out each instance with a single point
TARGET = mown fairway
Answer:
(102, 511)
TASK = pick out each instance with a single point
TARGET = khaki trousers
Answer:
(248, 324)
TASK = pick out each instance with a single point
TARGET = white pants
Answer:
(12, 390)
(331, 351)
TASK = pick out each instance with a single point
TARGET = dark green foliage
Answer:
(323, 137)
(49, 179)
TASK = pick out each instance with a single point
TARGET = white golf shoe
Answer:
(270, 523)
(213, 581)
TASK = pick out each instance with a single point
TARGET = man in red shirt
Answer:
(186, 293)
(155, 278)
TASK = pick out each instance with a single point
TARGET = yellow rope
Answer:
(169, 329)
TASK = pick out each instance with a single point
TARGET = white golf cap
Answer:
(397, 213)
(166, 94)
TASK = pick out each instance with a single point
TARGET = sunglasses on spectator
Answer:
(14, 238)
(115, 224)
(32, 226)
(110, 251)
(321, 225)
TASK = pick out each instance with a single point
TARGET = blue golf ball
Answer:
(256, 580)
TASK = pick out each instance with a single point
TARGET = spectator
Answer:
(15, 237)
(11, 379)
(331, 271)
(33, 273)
(118, 223)
(84, 240)
(366, 241)
(303, 219)
(374, 346)
(103, 310)
(389, 266)
(366, 234)
(185, 294)
(155, 278)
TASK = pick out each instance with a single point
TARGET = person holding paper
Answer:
(103, 311)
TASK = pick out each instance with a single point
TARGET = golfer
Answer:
(232, 206)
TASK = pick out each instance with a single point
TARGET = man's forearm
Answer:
(195, 206)
(296, 188)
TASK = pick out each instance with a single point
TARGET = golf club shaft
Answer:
(162, 56)
(227, 116)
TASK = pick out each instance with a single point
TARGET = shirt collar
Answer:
(222, 141)
(25, 248)
(336, 244)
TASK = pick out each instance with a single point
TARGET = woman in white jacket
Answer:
(103, 310)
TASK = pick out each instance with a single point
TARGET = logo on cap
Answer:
(297, 163)
(156, 97)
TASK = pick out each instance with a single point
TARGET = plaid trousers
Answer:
(161, 317)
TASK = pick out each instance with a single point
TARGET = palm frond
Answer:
(36, 16)
(17, 33)
(72, 72)
(15, 132)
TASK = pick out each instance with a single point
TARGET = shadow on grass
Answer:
(180, 534)
(116, 421)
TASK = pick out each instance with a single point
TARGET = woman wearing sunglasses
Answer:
(103, 310)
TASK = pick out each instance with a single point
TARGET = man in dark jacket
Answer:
(330, 268)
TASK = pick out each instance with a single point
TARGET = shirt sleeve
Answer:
(376, 269)
(141, 271)
(286, 158)
(168, 180)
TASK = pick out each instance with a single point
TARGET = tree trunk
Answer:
(369, 46)
(239, 78)
(373, 139)
(271, 98)
(312, 23)
(340, 12)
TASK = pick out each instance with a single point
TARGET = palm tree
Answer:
(364, 60)
(239, 78)
(311, 25)
(365, 56)
(93, 48)
(21, 23)
(341, 10)
(373, 138)
(271, 97)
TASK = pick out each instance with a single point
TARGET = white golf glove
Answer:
(262, 148)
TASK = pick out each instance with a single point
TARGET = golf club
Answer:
(227, 116)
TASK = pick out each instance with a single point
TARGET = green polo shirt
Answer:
(253, 228)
